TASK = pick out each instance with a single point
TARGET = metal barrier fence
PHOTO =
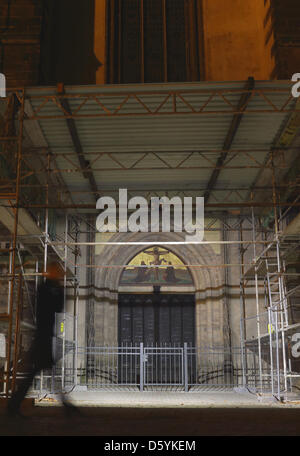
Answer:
(140, 368)
(170, 367)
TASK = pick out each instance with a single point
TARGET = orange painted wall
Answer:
(238, 40)
(100, 40)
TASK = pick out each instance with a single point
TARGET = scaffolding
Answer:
(271, 248)
(269, 330)
(20, 281)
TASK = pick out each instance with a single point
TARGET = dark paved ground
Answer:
(115, 421)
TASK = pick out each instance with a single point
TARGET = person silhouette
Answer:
(142, 273)
(50, 300)
(170, 275)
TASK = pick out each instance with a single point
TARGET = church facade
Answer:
(176, 98)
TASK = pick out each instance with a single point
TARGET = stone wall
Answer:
(207, 281)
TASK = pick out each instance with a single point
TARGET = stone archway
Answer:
(210, 315)
(156, 307)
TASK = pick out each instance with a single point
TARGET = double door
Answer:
(163, 323)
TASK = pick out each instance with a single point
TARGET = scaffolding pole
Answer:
(243, 333)
(14, 241)
(257, 303)
(277, 313)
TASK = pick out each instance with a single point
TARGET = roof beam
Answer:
(84, 164)
(237, 118)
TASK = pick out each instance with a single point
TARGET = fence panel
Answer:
(163, 366)
(168, 367)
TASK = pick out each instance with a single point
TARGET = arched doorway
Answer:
(206, 286)
(156, 308)
(156, 302)
(157, 366)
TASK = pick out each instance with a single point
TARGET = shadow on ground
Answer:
(115, 421)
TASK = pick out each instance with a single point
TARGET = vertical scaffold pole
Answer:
(65, 261)
(185, 363)
(46, 235)
(17, 332)
(278, 307)
(55, 354)
(271, 349)
(75, 317)
(21, 99)
(243, 329)
(141, 367)
(282, 315)
(257, 302)
(65, 304)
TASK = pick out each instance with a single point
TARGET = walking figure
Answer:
(50, 299)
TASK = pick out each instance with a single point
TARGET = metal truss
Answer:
(168, 102)
(117, 104)
(205, 160)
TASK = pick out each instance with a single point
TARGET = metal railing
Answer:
(146, 368)
(175, 367)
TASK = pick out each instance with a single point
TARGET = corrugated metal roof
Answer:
(128, 137)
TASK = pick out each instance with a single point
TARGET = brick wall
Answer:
(286, 20)
(20, 29)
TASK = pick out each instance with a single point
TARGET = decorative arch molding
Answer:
(208, 283)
